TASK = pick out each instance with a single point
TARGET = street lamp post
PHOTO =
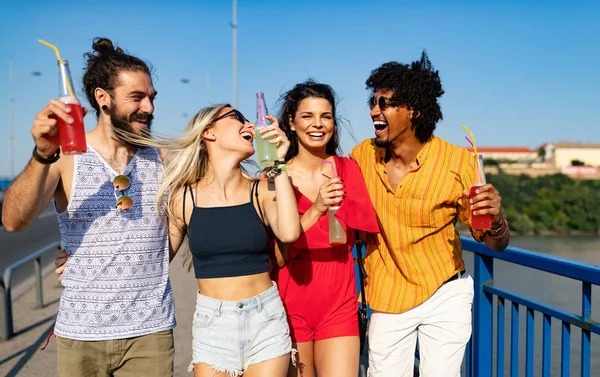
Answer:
(234, 32)
(10, 119)
(10, 115)
(185, 81)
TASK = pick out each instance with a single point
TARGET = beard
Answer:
(382, 143)
(123, 123)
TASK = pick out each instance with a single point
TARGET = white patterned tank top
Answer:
(117, 277)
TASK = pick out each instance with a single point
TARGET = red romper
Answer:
(318, 284)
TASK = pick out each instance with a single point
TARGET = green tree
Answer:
(554, 202)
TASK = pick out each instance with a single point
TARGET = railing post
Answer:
(6, 317)
(482, 317)
(38, 282)
(6, 327)
(586, 316)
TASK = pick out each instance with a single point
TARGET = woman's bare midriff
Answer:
(235, 288)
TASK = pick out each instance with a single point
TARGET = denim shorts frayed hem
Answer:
(229, 336)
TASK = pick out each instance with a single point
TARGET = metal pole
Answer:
(10, 119)
(6, 317)
(234, 29)
(483, 317)
(38, 282)
(6, 327)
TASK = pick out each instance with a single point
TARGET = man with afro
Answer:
(419, 184)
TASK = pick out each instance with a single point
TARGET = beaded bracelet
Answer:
(501, 231)
(499, 228)
(276, 169)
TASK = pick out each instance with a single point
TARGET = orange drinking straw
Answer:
(59, 61)
(479, 170)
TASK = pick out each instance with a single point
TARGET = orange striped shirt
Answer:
(418, 248)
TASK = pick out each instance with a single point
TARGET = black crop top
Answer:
(228, 241)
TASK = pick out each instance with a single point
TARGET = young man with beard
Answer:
(116, 313)
(417, 286)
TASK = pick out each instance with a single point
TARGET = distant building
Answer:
(578, 160)
(509, 154)
(562, 154)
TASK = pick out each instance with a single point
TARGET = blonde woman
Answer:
(240, 326)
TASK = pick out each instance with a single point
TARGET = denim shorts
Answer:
(229, 336)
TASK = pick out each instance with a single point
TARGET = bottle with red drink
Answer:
(72, 135)
(479, 222)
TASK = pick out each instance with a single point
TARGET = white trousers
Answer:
(442, 324)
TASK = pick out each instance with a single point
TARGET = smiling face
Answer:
(132, 103)
(391, 122)
(232, 132)
(313, 123)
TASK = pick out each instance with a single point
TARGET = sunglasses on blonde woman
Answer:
(238, 115)
(123, 202)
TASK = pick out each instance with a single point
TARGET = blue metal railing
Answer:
(4, 182)
(479, 358)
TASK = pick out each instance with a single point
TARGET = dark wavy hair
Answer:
(416, 86)
(104, 66)
(290, 101)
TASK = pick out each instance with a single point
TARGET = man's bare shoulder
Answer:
(164, 153)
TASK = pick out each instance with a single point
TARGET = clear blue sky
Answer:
(517, 73)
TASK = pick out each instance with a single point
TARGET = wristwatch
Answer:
(46, 161)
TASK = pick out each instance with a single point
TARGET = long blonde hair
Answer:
(185, 165)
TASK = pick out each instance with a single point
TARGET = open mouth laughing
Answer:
(248, 136)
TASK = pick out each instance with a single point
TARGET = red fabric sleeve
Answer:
(356, 210)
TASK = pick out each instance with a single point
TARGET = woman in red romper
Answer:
(316, 280)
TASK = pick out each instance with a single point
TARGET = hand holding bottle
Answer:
(45, 126)
(274, 135)
(69, 118)
(266, 151)
(331, 194)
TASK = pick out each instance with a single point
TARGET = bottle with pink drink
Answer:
(479, 222)
(71, 135)
(337, 234)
